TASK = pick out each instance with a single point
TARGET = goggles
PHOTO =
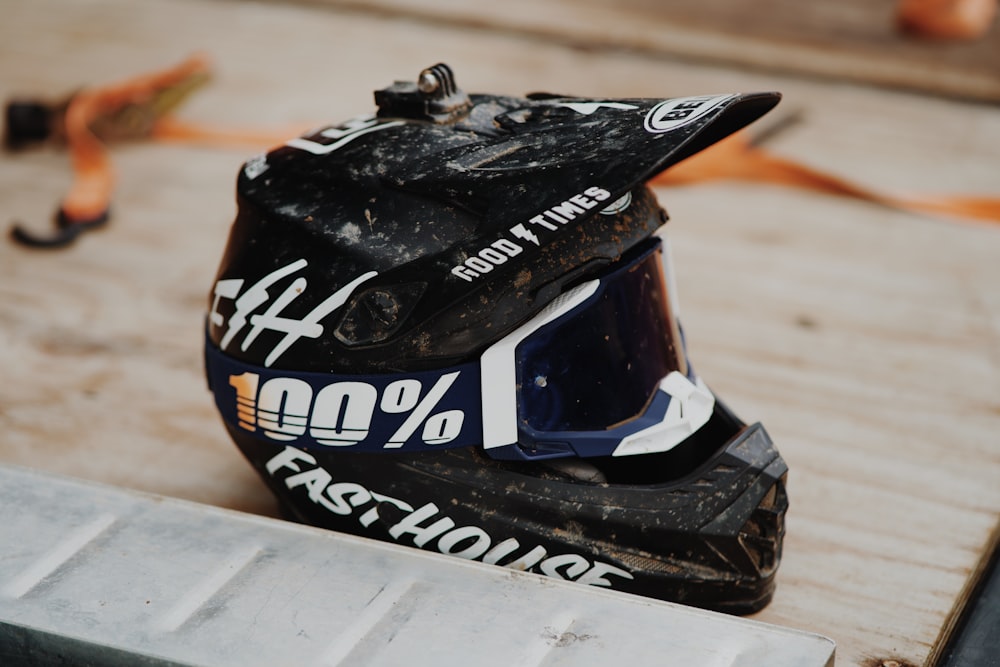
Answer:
(600, 371)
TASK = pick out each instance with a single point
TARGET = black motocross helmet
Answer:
(451, 325)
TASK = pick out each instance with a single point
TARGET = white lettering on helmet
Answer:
(671, 114)
(342, 135)
(551, 219)
(425, 527)
(340, 414)
(587, 108)
(248, 301)
(487, 259)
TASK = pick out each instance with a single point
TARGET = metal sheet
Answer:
(90, 573)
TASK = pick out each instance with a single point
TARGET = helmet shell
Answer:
(429, 235)
(463, 225)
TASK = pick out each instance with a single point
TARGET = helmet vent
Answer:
(763, 533)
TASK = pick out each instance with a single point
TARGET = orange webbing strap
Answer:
(170, 129)
(93, 176)
(139, 108)
(737, 158)
(126, 110)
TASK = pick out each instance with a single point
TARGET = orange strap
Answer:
(125, 110)
(734, 158)
(174, 130)
(140, 108)
(737, 158)
(94, 116)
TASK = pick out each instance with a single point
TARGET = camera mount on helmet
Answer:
(434, 97)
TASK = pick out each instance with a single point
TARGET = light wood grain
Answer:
(867, 340)
(855, 40)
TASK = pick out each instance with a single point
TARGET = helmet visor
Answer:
(595, 370)
(600, 364)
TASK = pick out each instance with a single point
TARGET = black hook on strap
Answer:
(67, 230)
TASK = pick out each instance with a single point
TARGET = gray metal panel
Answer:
(98, 575)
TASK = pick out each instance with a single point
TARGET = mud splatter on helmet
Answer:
(450, 325)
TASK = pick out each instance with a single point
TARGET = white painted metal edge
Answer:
(110, 576)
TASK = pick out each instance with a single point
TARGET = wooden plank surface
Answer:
(867, 340)
(855, 40)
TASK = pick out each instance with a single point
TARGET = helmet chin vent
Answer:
(763, 533)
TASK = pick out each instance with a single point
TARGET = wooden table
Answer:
(866, 339)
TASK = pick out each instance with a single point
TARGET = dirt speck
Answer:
(806, 322)
(563, 639)
(891, 661)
